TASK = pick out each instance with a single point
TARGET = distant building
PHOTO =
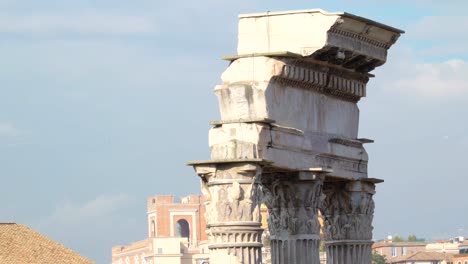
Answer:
(391, 249)
(176, 234)
(462, 256)
(20, 244)
(168, 218)
(159, 250)
(423, 258)
(450, 247)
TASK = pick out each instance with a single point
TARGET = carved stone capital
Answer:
(292, 204)
(292, 199)
(348, 210)
(232, 210)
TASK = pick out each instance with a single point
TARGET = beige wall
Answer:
(167, 250)
(386, 249)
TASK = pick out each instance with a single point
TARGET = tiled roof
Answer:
(423, 256)
(137, 245)
(398, 244)
(20, 244)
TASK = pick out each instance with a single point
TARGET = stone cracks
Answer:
(289, 115)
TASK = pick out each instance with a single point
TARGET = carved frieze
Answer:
(324, 82)
(330, 161)
(360, 37)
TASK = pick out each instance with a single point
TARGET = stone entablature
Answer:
(337, 38)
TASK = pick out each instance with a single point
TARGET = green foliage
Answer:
(377, 258)
(413, 238)
(398, 239)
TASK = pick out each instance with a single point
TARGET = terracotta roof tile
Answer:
(423, 256)
(20, 244)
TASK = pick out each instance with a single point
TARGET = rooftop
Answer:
(423, 256)
(20, 244)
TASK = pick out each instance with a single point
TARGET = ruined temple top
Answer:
(338, 38)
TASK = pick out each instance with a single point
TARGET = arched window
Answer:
(183, 229)
(153, 228)
(466, 262)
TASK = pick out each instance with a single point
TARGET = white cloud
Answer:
(411, 77)
(82, 24)
(69, 214)
(438, 79)
(446, 35)
(8, 130)
(449, 28)
(95, 226)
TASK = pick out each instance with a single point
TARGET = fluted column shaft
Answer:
(292, 200)
(232, 212)
(348, 210)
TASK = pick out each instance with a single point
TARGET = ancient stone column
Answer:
(292, 199)
(288, 102)
(348, 210)
(232, 210)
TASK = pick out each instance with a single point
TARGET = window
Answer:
(153, 228)
(466, 262)
(403, 251)
(394, 251)
(160, 250)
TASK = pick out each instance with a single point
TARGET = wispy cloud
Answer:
(439, 79)
(447, 35)
(81, 24)
(68, 214)
(435, 27)
(410, 77)
(8, 130)
(94, 226)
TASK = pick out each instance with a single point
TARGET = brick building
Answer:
(176, 234)
(168, 218)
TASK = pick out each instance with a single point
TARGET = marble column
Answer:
(348, 210)
(292, 199)
(232, 211)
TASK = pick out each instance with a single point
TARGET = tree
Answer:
(398, 239)
(413, 238)
(377, 258)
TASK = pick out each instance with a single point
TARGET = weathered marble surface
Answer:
(289, 128)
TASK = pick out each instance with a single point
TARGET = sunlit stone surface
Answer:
(288, 136)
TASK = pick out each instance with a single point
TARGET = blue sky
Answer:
(103, 102)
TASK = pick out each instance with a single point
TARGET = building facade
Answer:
(462, 256)
(424, 258)
(391, 250)
(176, 234)
(170, 218)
